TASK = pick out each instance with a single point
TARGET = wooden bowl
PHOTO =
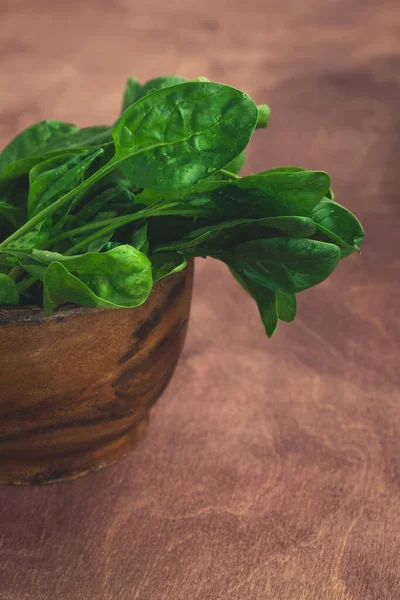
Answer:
(76, 388)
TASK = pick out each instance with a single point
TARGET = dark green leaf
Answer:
(131, 93)
(285, 264)
(159, 83)
(55, 177)
(139, 237)
(286, 193)
(295, 226)
(105, 198)
(177, 136)
(12, 214)
(30, 143)
(266, 300)
(338, 224)
(167, 263)
(287, 306)
(8, 290)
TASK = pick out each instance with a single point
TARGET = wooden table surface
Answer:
(272, 468)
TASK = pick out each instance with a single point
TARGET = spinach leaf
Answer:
(13, 214)
(119, 278)
(287, 306)
(237, 163)
(8, 290)
(295, 226)
(36, 237)
(167, 263)
(285, 264)
(159, 83)
(30, 143)
(338, 224)
(139, 238)
(131, 93)
(110, 197)
(179, 135)
(291, 193)
(266, 301)
(54, 177)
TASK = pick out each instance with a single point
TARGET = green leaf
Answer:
(283, 193)
(119, 278)
(266, 301)
(159, 83)
(30, 143)
(285, 264)
(177, 136)
(295, 226)
(97, 201)
(287, 306)
(8, 290)
(36, 237)
(139, 237)
(237, 163)
(338, 224)
(13, 214)
(52, 178)
(131, 93)
(167, 263)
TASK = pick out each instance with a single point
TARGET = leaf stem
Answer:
(229, 174)
(46, 212)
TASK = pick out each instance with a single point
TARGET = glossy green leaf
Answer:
(272, 194)
(167, 263)
(8, 290)
(119, 278)
(30, 143)
(51, 179)
(286, 264)
(338, 224)
(179, 135)
(67, 139)
(286, 305)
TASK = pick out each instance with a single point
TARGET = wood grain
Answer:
(76, 388)
(271, 470)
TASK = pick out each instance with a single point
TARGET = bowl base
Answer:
(68, 467)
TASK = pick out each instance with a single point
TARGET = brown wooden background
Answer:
(271, 470)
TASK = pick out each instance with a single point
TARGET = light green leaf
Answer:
(119, 278)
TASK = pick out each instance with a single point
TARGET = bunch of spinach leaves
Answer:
(95, 216)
